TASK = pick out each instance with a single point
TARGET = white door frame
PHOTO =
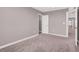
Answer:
(67, 27)
(76, 26)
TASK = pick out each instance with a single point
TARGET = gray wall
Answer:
(17, 23)
(56, 19)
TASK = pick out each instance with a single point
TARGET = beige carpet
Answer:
(43, 43)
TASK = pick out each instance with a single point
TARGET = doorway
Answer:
(72, 24)
(43, 24)
(40, 24)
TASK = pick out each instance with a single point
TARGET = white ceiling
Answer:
(46, 9)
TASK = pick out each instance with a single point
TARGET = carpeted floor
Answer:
(43, 43)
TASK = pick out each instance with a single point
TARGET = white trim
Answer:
(57, 34)
(12, 43)
(67, 26)
(77, 25)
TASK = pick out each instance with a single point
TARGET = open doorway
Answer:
(43, 24)
(72, 24)
(40, 24)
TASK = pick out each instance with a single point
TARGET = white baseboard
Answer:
(12, 43)
(58, 35)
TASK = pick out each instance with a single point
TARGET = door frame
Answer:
(76, 31)
(39, 24)
(67, 27)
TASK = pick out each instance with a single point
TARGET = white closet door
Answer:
(45, 24)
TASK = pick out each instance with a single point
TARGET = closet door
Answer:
(45, 24)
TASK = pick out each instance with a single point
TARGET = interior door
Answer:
(45, 24)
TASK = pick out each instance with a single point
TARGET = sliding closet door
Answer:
(45, 24)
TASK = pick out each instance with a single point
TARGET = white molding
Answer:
(76, 10)
(67, 25)
(18, 41)
(57, 34)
